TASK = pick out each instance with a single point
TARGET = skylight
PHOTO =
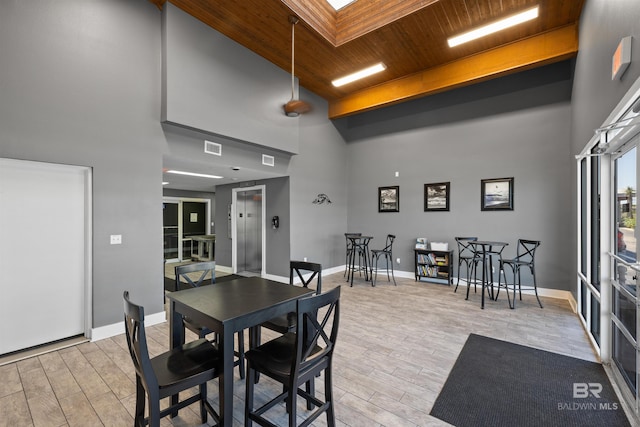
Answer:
(339, 4)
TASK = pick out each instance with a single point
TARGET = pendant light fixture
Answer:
(294, 107)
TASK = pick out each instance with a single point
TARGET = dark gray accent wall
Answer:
(517, 126)
(214, 84)
(80, 84)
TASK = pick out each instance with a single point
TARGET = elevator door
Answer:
(249, 231)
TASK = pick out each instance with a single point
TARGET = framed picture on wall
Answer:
(436, 197)
(389, 199)
(496, 194)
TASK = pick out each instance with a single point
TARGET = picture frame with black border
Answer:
(389, 199)
(496, 194)
(436, 197)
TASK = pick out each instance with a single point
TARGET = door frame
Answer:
(179, 200)
(234, 233)
(86, 174)
(615, 136)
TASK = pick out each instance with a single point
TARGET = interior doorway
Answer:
(248, 230)
(182, 219)
(45, 253)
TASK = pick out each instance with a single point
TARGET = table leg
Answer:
(484, 277)
(490, 273)
(352, 262)
(225, 381)
(255, 337)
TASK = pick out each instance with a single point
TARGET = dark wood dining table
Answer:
(226, 308)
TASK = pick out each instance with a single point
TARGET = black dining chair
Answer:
(299, 269)
(200, 274)
(179, 369)
(296, 358)
(467, 255)
(525, 258)
(387, 254)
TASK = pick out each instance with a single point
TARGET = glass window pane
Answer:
(170, 230)
(624, 356)
(583, 300)
(583, 216)
(595, 318)
(595, 222)
(625, 208)
(625, 310)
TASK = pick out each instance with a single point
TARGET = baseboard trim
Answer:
(114, 329)
(544, 292)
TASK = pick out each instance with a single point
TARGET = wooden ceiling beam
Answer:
(543, 49)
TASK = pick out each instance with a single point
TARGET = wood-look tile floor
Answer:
(395, 349)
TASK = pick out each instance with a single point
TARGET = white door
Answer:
(44, 252)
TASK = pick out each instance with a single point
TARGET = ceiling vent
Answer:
(268, 160)
(213, 148)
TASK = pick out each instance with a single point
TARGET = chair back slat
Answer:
(315, 340)
(389, 244)
(465, 250)
(206, 269)
(527, 250)
(137, 341)
(300, 268)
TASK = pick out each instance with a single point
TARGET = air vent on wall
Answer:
(213, 148)
(268, 160)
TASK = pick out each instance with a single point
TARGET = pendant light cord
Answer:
(294, 20)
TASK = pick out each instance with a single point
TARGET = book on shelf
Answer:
(428, 271)
(426, 258)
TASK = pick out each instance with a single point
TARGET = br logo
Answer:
(583, 390)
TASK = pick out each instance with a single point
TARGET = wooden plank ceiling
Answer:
(408, 36)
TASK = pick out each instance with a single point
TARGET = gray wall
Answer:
(200, 64)
(79, 84)
(317, 230)
(314, 231)
(603, 24)
(517, 126)
(277, 241)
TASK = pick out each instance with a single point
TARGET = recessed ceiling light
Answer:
(359, 75)
(199, 175)
(496, 26)
(165, 183)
